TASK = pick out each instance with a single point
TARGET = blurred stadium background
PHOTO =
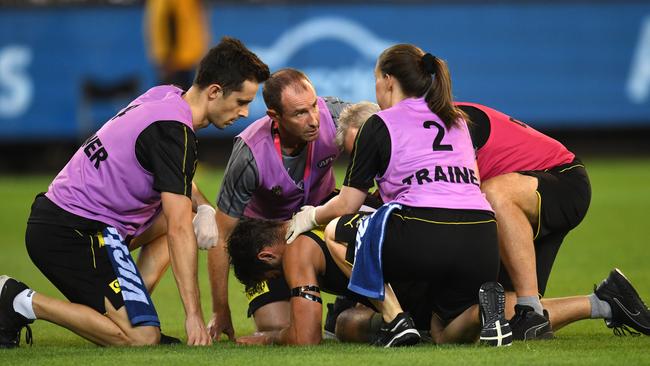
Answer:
(577, 70)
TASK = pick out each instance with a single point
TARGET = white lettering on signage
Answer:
(16, 88)
(638, 84)
(352, 82)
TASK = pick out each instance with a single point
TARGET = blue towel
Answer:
(138, 304)
(367, 275)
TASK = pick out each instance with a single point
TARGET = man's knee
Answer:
(330, 231)
(272, 316)
(137, 336)
(144, 336)
(129, 335)
(510, 190)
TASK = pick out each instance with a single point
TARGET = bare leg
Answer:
(337, 249)
(153, 261)
(390, 307)
(465, 328)
(112, 329)
(562, 311)
(273, 316)
(437, 329)
(353, 325)
(516, 204)
(566, 310)
(157, 228)
(511, 301)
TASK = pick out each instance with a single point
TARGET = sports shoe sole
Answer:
(3, 280)
(329, 335)
(495, 333)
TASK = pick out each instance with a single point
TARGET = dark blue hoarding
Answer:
(560, 65)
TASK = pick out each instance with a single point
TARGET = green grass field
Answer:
(613, 235)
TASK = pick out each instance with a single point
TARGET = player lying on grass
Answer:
(259, 251)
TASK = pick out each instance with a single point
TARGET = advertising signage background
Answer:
(555, 66)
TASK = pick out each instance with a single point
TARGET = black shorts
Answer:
(564, 197)
(72, 258)
(418, 299)
(449, 253)
(272, 290)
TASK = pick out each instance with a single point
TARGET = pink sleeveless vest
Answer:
(278, 196)
(430, 166)
(104, 180)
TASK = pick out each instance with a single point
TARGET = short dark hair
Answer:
(248, 238)
(277, 82)
(229, 64)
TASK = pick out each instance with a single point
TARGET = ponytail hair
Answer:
(422, 75)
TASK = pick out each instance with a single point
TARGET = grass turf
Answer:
(613, 234)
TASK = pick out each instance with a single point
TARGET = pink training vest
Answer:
(278, 197)
(430, 165)
(514, 146)
(104, 180)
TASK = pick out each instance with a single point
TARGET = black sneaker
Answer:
(333, 311)
(11, 323)
(166, 340)
(495, 329)
(399, 332)
(528, 325)
(627, 307)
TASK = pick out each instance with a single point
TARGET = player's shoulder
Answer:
(335, 106)
(241, 153)
(242, 163)
(301, 253)
(306, 253)
(308, 238)
(308, 241)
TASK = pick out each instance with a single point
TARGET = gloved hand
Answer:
(304, 220)
(205, 227)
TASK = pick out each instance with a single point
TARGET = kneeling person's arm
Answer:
(167, 149)
(183, 253)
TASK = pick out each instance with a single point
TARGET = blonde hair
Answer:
(353, 116)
